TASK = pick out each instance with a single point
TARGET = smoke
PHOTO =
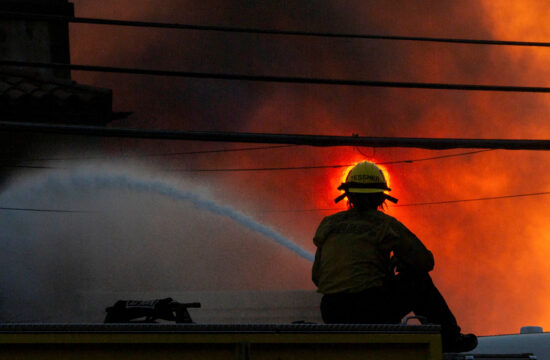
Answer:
(136, 234)
(487, 254)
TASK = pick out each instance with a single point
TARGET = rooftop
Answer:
(30, 97)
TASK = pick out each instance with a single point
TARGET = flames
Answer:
(491, 257)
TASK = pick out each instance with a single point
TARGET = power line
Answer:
(420, 203)
(293, 139)
(262, 169)
(233, 29)
(19, 166)
(476, 199)
(277, 79)
(434, 157)
(198, 152)
(312, 210)
(44, 210)
(409, 161)
(365, 155)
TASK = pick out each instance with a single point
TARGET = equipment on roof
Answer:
(132, 311)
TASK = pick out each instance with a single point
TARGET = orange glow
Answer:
(491, 256)
(346, 172)
(386, 174)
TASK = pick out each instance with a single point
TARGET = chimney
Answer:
(33, 40)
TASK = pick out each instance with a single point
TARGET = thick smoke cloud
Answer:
(487, 253)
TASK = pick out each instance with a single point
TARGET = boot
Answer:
(460, 343)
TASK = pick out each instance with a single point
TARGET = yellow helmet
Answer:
(365, 178)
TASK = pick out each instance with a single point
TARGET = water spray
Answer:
(98, 180)
(121, 230)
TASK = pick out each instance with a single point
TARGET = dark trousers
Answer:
(390, 303)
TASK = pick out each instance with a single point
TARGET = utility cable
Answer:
(20, 166)
(167, 154)
(292, 139)
(313, 210)
(434, 157)
(409, 161)
(475, 199)
(44, 210)
(262, 169)
(420, 203)
(198, 152)
(277, 79)
(365, 155)
(233, 29)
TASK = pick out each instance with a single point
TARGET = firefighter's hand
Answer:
(396, 265)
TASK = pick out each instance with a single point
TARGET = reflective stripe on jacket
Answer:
(354, 249)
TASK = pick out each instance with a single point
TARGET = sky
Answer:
(491, 256)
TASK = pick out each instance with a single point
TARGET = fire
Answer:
(386, 174)
(346, 172)
(487, 253)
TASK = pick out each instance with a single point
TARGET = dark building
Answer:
(32, 40)
(42, 95)
(34, 97)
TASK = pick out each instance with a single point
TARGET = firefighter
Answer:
(371, 269)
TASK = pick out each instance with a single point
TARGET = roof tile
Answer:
(30, 96)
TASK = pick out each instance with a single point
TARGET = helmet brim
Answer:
(366, 190)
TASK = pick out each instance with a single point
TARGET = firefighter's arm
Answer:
(316, 267)
(319, 238)
(409, 251)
